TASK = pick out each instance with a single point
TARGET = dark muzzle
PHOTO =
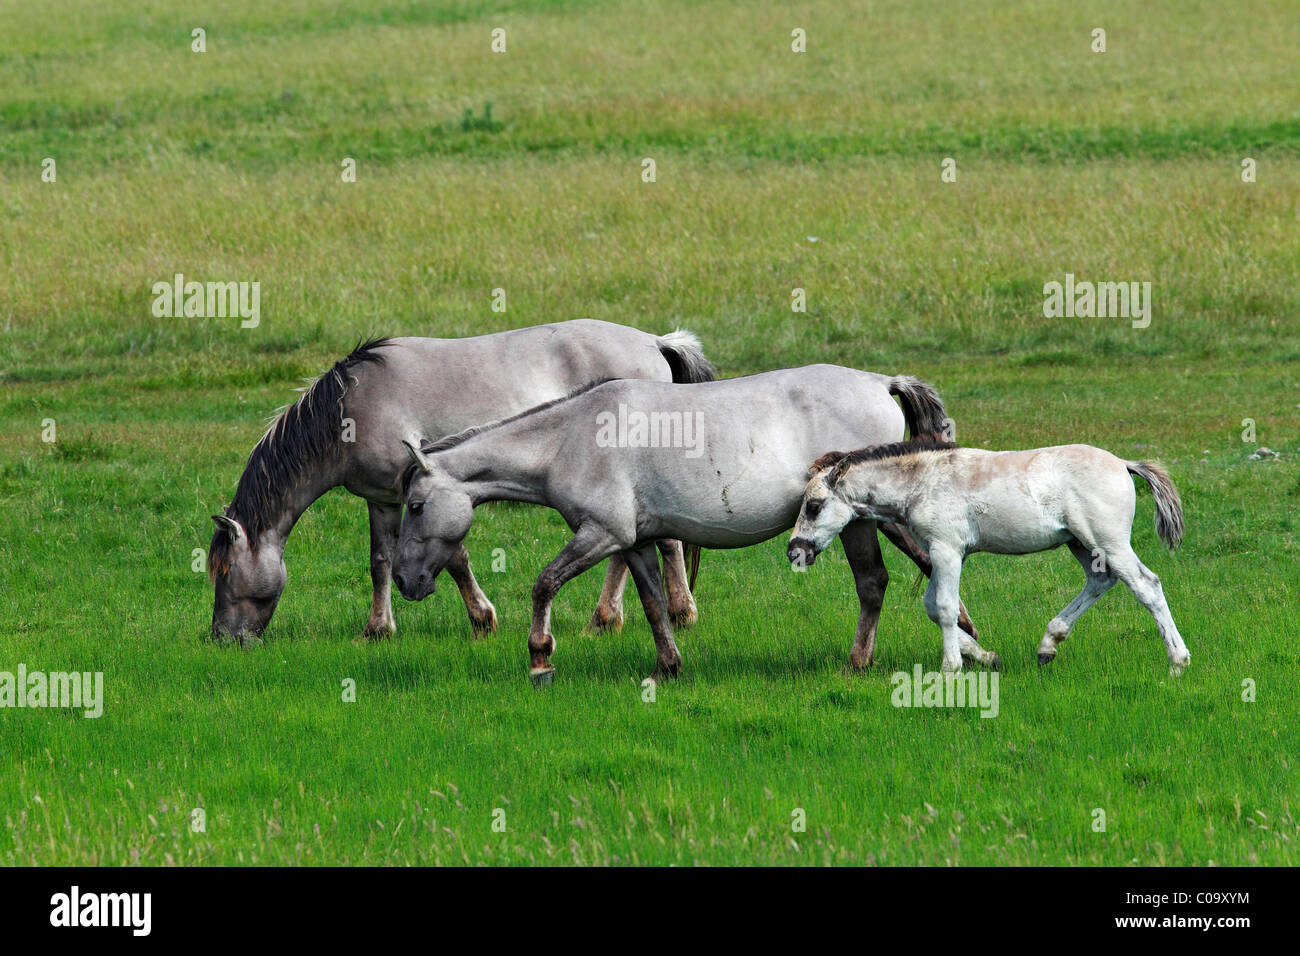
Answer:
(801, 552)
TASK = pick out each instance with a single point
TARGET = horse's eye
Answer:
(416, 507)
(812, 508)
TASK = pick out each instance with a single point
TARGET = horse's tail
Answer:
(1169, 506)
(922, 407)
(685, 356)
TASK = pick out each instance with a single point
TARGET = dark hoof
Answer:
(666, 673)
(485, 625)
(996, 663)
(604, 625)
(1045, 659)
(542, 676)
(684, 619)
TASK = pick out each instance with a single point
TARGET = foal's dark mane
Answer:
(460, 437)
(302, 436)
(898, 449)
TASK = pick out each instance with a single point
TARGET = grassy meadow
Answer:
(775, 170)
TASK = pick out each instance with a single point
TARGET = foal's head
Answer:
(823, 513)
(437, 518)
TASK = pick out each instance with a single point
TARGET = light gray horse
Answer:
(721, 464)
(347, 428)
(961, 500)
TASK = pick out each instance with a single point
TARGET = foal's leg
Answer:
(942, 602)
(870, 578)
(608, 615)
(681, 604)
(649, 586)
(385, 520)
(588, 547)
(1145, 586)
(902, 539)
(1058, 628)
(482, 615)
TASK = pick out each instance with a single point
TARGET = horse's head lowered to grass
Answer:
(438, 516)
(248, 580)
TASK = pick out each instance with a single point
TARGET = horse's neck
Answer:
(297, 499)
(504, 464)
(888, 487)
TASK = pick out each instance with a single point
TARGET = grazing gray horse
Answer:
(347, 428)
(721, 464)
(961, 500)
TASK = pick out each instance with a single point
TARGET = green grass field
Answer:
(1123, 166)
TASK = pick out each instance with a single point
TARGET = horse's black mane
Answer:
(898, 449)
(302, 436)
(451, 441)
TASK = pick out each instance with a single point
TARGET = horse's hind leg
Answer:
(870, 577)
(1145, 585)
(1098, 583)
(385, 520)
(902, 539)
(588, 547)
(482, 615)
(649, 586)
(681, 604)
(608, 615)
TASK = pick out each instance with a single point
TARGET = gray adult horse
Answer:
(721, 464)
(347, 429)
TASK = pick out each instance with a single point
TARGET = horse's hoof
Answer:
(1045, 659)
(485, 625)
(683, 619)
(996, 663)
(542, 676)
(605, 625)
(1176, 669)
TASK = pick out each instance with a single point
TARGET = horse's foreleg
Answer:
(942, 601)
(681, 604)
(385, 520)
(608, 615)
(1098, 583)
(649, 586)
(482, 615)
(870, 578)
(902, 539)
(588, 547)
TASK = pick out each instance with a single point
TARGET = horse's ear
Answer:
(827, 460)
(417, 456)
(232, 526)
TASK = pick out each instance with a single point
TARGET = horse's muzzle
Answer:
(414, 590)
(801, 552)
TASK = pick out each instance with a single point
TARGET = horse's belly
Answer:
(1019, 536)
(730, 516)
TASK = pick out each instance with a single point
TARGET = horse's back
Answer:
(726, 460)
(431, 387)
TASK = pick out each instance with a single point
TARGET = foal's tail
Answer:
(922, 407)
(685, 356)
(1169, 507)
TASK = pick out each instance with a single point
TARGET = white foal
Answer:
(957, 501)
